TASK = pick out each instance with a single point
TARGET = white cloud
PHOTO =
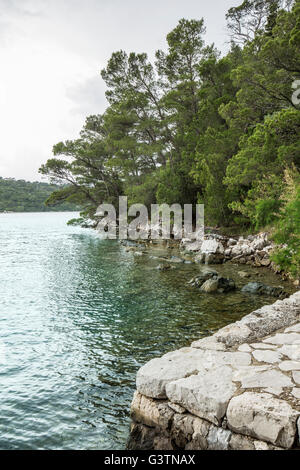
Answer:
(51, 54)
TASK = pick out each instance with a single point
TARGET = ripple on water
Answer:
(79, 316)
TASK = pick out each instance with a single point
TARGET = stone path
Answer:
(245, 379)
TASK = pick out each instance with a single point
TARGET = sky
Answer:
(51, 55)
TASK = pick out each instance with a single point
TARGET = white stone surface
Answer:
(296, 392)
(267, 356)
(153, 376)
(296, 377)
(244, 348)
(209, 343)
(263, 417)
(205, 395)
(212, 246)
(218, 438)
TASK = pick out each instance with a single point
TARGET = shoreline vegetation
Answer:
(198, 127)
(24, 196)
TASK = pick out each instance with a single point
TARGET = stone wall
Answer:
(238, 389)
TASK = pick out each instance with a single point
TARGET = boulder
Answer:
(204, 395)
(210, 286)
(263, 417)
(261, 289)
(209, 281)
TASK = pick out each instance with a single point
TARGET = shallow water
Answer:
(78, 317)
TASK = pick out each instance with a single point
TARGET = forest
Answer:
(23, 196)
(197, 126)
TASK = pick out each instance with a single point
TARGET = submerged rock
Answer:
(164, 267)
(209, 281)
(211, 285)
(259, 288)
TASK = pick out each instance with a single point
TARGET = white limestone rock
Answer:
(296, 377)
(270, 357)
(210, 343)
(205, 395)
(263, 346)
(236, 333)
(284, 338)
(263, 417)
(292, 351)
(244, 348)
(152, 377)
(296, 392)
(293, 329)
(264, 379)
(212, 246)
(287, 366)
(218, 438)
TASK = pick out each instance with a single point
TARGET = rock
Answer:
(296, 392)
(214, 258)
(176, 259)
(212, 252)
(293, 329)
(226, 285)
(263, 346)
(218, 438)
(212, 246)
(263, 417)
(244, 348)
(204, 395)
(199, 280)
(236, 333)
(153, 377)
(287, 366)
(240, 442)
(284, 338)
(150, 412)
(210, 343)
(254, 378)
(176, 408)
(201, 429)
(182, 430)
(164, 267)
(220, 284)
(265, 262)
(296, 377)
(210, 286)
(270, 357)
(261, 289)
(243, 274)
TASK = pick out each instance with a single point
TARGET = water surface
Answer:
(78, 317)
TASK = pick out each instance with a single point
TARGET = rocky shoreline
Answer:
(238, 389)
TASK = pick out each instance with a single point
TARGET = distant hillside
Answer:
(23, 196)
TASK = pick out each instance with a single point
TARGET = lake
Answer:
(78, 317)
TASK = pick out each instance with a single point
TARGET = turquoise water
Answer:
(78, 317)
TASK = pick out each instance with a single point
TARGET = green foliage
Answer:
(288, 234)
(194, 126)
(23, 196)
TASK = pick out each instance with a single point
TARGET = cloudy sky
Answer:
(51, 54)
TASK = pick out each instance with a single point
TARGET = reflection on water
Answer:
(78, 317)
